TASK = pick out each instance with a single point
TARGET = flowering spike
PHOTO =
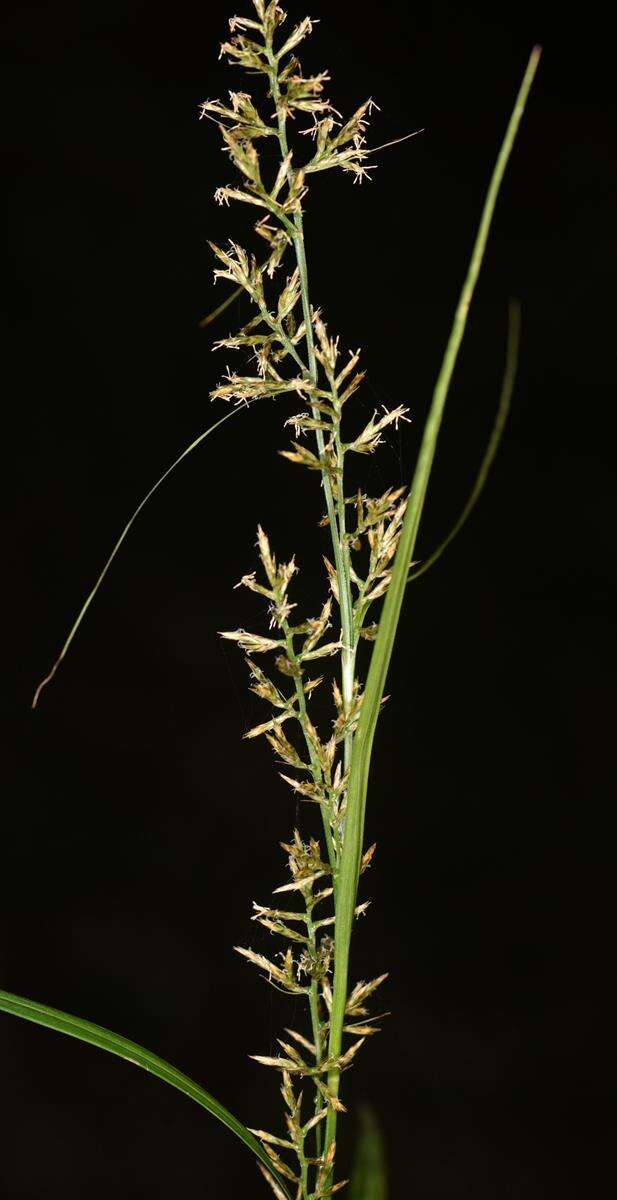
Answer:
(292, 353)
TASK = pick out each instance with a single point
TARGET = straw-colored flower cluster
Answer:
(291, 351)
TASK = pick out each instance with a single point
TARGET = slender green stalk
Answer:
(315, 767)
(380, 659)
(336, 528)
(316, 1025)
(348, 632)
(341, 559)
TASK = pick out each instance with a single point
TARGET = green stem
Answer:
(285, 341)
(349, 636)
(342, 568)
(303, 1172)
(315, 1017)
(315, 766)
(356, 795)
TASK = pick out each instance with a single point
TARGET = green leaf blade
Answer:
(369, 1180)
(380, 659)
(113, 1043)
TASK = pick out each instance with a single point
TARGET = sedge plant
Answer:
(369, 542)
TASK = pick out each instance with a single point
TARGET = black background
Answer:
(137, 826)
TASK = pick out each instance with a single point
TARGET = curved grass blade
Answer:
(369, 1179)
(503, 408)
(85, 1031)
(90, 597)
(382, 652)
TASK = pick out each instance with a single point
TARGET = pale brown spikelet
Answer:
(270, 1137)
(285, 976)
(281, 1166)
(346, 1059)
(329, 1191)
(263, 911)
(309, 791)
(282, 929)
(332, 577)
(302, 456)
(252, 642)
(367, 858)
(267, 726)
(319, 1116)
(281, 1064)
(278, 1191)
(360, 993)
(302, 1041)
(333, 1101)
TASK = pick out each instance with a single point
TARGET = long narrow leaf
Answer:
(85, 1031)
(382, 652)
(369, 1179)
(88, 601)
(503, 408)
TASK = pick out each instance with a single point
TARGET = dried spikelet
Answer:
(317, 627)
(379, 589)
(329, 1191)
(263, 910)
(367, 858)
(252, 642)
(301, 885)
(302, 456)
(309, 791)
(300, 32)
(294, 1055)
(302, 1041)
(280, 1064)
(270, 1137)
(282, 929)
(333, 578)
(278, 1191)
(360, 993)
(331, 1099)
(346, 1059)
(284, 749)
(281, 1167)
(257, 730)
(264, 687)
(370, 438)
(360, 1029)
(321, 652)
(319, 1116)
(272, 972)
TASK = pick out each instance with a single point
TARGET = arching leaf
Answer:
(96, 1035)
